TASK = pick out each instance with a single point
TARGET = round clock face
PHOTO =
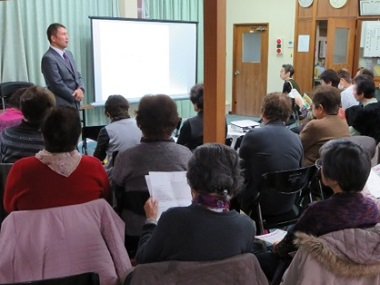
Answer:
(338, 3)
(305, 3)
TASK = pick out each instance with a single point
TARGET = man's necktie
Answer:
(67, 60)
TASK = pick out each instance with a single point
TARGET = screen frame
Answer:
(133, 100)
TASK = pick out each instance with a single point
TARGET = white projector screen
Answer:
(137, 57)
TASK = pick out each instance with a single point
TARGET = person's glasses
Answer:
(318, 163)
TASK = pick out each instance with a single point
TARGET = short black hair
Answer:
(116, 107)
(330, 76)
(35, 103)
(61, 130)
(328, 97)
(344, 74)
(365, 85)
(346, 163)
(214, 168)
(365, 71)
(157, 116)
(53, 29)
(277, 107)
(288, 68)
(196, 95)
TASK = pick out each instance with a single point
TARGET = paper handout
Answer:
(275, 236)
(170, 189)
(373, 182)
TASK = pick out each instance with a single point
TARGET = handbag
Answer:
(294, 94)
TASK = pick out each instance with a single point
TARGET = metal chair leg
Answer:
(260, 222)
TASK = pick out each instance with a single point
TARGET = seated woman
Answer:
(12, 115)
(58, 175)
(345, 168)
(206, 230)
(122, 133)
(157, 117)
(364, 119)
(25, 139)
(191, 134)
(327, 125)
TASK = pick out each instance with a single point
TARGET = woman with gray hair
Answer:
(206, 230)
(122, 133)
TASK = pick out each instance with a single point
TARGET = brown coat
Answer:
(319, 131)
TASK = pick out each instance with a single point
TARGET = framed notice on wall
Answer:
(303, 43)
(371, 39)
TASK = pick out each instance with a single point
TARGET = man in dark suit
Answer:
(59, 69)
(269, 148)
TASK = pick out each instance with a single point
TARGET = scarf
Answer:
(63, 163)
(217, 203)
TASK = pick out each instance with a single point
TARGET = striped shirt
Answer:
(20, 141)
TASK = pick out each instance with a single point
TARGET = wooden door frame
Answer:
(234, 67)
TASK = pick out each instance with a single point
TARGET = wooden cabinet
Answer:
(332, 40)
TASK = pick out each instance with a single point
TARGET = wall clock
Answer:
(338, 3)
(305, 3)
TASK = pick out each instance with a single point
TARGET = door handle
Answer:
(237, 72)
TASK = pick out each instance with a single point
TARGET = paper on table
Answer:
(275, 236)
(169, 188)
(245, 123)
(373, 183)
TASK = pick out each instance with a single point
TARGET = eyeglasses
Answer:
(318, 163)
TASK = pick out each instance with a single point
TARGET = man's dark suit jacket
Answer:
(61, 78)
(270, 148)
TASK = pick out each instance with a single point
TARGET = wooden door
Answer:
(250, 68)
(340, 44)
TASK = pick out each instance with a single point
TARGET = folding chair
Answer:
(283, 196)
(8, 88)
(4, 170)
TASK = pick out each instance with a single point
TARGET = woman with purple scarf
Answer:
(206, 230)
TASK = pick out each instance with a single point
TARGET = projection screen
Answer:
(135, 57)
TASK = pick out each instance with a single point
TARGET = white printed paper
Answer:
(303, 43)
(273, 237)
(170, 189)
(373, 182)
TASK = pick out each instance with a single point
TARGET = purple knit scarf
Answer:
(212, 201)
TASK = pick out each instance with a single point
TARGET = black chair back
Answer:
(4, 170)
(282, 196)
(287, 182)
(90, 132)
(8, 88)
(88, 278)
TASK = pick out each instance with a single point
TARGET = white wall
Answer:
(280, 15)
(128, 8)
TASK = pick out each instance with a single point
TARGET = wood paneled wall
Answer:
(324, 10)
(306, 23)
(214, 71)
(304, 61)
